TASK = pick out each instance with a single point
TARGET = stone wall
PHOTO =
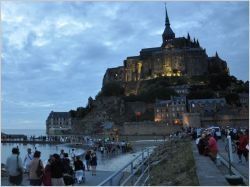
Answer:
(147, 128)
(191, 119)
(226, 120)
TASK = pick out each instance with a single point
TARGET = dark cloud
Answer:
(55, 53)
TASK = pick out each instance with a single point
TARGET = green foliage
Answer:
(201, 94)
(219, 81)
(153, 93)
(80, 112)
(232, 99)
(112, 89)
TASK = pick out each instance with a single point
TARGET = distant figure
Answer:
(62, 154)
(14, 168)
(102, 150)
(35, 165)
(73, 155)
(47, 173)
(93, 163)
(57, 171)
(79, 170)
(28, 158)
(87, 158)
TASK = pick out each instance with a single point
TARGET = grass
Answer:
(177, 166)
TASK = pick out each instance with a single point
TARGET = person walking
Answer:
(57, 171)
(67, 171)
(93, 163)
(241, 146)
(79, 170)
(87, 158)
(27, 159)
(14, 168)
(47, 173)
(73, 155)
(36, 170)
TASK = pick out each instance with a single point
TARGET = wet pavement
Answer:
(242, 168)
(107, 164)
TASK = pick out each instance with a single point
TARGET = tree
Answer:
(219, 81)
(232, 99)
(112, 89)
(201, 94)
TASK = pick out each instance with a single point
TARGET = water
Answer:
(28, 132)
(113, 163)
(46, 150)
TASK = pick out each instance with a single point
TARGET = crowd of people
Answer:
(60, 169)
(207, 145)
(207, 142)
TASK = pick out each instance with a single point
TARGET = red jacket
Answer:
(243, 141)
(212, 144)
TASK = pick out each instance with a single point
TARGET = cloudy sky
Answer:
(54, 55)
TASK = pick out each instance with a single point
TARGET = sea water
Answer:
(112, 163)
(45, 149)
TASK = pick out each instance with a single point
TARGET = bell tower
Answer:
(168, 33)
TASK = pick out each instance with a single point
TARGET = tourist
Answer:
(73, 155)
(213, 147)
(203, 145)
(62, 154)
(14, 168)
(56, 171)
(93, 163)
(102, 150)
(79, 170)
(241, 146)
(28, 158)
(87, 158)
(67, 171)
(47, 173)
(36, 170)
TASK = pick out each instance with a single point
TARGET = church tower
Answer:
(168, 33)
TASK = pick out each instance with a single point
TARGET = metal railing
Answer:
(135, 173)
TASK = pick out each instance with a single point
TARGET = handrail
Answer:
(124, 167)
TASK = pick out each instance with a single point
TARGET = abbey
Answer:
(180, 56)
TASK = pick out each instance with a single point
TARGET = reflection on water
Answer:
(104, 163)
(46, 150)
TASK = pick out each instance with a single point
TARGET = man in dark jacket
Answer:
(57, 171)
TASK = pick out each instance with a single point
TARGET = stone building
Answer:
(206, 106)
(244, 99)
(177, 56)
(58, 123)
(170, 111)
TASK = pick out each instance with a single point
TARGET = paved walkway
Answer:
(207, 172)
(242, 168)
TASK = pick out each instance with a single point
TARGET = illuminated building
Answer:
(177, 56)
(170, 111)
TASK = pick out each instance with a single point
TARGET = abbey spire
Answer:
(168, 33)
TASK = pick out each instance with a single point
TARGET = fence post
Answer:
(230, 150)
(142, 167)
(230, 156)
(148, 163)
(111, 182)
(132, 173)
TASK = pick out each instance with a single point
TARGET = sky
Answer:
(55, 54)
